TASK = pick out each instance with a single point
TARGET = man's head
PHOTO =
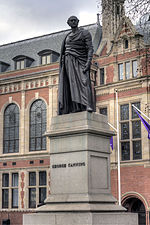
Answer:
(73, 21)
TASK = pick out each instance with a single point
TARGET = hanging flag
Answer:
(111, 143)
(145, 123)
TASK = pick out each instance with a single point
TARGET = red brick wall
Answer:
(145, 61)
(29, 70)
(109, 74)
(122, 94)
(120, 57)
(5, 98)
(26, 163)
(43, 92)
(16, 218)
(133, 179)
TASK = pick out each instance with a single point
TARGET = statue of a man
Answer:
(75, 93)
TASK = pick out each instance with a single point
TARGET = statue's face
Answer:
(73, 22)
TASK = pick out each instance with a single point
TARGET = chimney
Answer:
(98, 20)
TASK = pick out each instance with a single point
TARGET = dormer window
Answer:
(48, 56)
(22, 62)
(45, 59)
(3, 66)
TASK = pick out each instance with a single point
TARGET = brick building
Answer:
(124, 64)
(28, 99)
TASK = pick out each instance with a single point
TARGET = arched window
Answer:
(135, 205)
(126, 44)
(11, 129)
(37, 126)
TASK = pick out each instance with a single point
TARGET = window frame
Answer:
(131, 139)
(8, 129)
(10, 188)
(5, 188)
(126, 43)
(37, 187)
(49, 56)
(46, 58)
(102, 76)
(136, 68)
(14, 187)
(122, 76)
(103, 110)
(127, 70)
(34, 138)
(120, 72)
(22, 62)
(42, 186)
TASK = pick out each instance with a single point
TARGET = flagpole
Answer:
(118, 145)
(112, 126)
(145, 123)
(140, 111)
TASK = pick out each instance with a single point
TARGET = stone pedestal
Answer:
(80, 175)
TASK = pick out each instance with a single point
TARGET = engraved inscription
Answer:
(63, 165)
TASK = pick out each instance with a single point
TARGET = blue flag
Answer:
(111, 143)
(145, 123)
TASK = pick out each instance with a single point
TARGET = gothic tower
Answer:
(112, 13)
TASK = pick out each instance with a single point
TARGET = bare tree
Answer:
(136, 10)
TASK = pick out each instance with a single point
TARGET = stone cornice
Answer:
(121, 85)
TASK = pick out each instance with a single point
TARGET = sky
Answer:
(22, 19)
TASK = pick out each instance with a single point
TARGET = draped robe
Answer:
(74, 92)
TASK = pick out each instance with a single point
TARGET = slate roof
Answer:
(31, 47)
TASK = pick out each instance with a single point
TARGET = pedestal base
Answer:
(80, 175)
(81, 219)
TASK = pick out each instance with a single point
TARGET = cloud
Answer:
(21, 19)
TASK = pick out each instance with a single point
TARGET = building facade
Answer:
(28, 100)
(124, 67)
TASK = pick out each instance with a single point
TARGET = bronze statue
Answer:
(75, 93)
